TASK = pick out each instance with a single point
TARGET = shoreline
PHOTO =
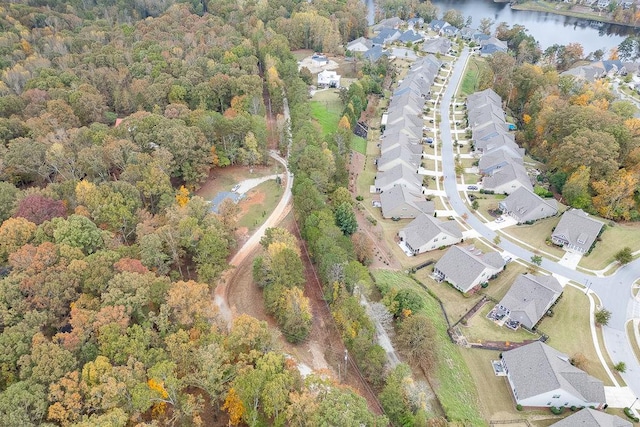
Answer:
(543, 6)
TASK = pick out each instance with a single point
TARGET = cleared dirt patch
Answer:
(222, 179)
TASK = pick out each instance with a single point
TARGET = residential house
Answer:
(415, 83)
(490, 162)
(399, 175)
(415, 133)
(402, 202)
(540, 376)
(408, 100)
(427, 65)
(319, 60)
(603, 4)
(479, 37)
(449, 31)
(488, 131)
(589, 73)
(488, 106)
(529, 298)
(524, 206)
(385, 36)
(399, 155)
(492, 114)
(400, 140)
(374, 54)
(467, 267)
(426, 233)
(410, 36)
(437, 25)
(492, 45)
(467, 33)
(507, 179)
(360, 44)
(588, 417)
(415, 23)
(500, 141)
(328, 78)
(576, 231)
(393, 22)
(484, 97)
(439, 45)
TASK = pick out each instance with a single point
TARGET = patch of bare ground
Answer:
(222, 179)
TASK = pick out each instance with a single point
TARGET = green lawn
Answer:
(327, 109)
(254, 216)
(470, 80)
(451, 379)
(569, 331)
(536, 235)
(612, 240)
(479, 329)
(359, 144)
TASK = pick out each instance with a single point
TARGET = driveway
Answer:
(570, 259)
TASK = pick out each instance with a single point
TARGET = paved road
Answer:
(613, 291)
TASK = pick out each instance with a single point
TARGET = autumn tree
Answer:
(415, 340)
(14, 233)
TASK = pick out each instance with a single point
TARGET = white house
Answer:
(328, 78)
(540, 376)
(426, 233)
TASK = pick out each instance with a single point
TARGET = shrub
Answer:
(519, 407)
(573, 408)
(620, 366)
(359, 198)
(485, 285)
(630, 415)
(557, 411)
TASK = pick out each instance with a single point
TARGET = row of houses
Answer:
(394, 30)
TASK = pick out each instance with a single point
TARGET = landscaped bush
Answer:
(557, 411)
(359, 198)
(630, 415)
(519, 407)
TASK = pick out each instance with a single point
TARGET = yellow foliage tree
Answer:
(233, 405)
(157, 386)
(182, 197)
(526, 119)
(344, 123)
(215, 160)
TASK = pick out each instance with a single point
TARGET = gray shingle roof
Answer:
(529, 298)
(474, 110)
(399, 175)
(368, 43)
(480, 117)
(484, 97)
(463, 265)
(440, 45)
(591, 418)
(578, 229)
(487, 131)
(399, 154)
(509, 173)
(410, 36)
(425, 227)
(409, 99)
(528, 206)
(496, 159)
(396, 198)
(498, 141)
(394, 140)
(537, 368)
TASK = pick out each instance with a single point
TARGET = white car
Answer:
(499, 219)
(235, 188)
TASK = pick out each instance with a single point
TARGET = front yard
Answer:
(612, 240)
(536, 235)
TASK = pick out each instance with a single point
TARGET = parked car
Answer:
(235, 188)
(428, 140)
(499, 219)
(472, 187)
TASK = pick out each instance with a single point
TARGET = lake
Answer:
(547, 28)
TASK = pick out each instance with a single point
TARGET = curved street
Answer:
(614, 292)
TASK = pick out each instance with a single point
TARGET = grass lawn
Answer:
(536, 235)
(480, 329)
(471, 76)
(612, 240)
(451, 378)
(486, 202)
(499, 286)
(359, 144)
(223, 179)
(326, 108)
(496, 401)
(455, 303)
(569, 331)
(271, 194)
(429, 164)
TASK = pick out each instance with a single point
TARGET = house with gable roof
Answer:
(490, 162)
(576, 231)
(588, 417)
(439, 45)
(393, 22)
(399, 155)
(507, 179)
(327, 78)
(399, 175)
(403, 202)
(540, 376)
(524, 206)
(386, 35)
(529, 298)
(374, 54)
(360, 44)
(500, 141)
(426, 233)
(410, 36)
(466, 267)
(437, 24)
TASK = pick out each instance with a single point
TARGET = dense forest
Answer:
(111, 114)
